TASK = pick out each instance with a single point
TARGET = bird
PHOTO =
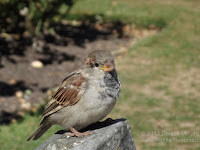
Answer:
(84, 97)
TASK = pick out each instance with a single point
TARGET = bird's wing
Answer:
(69, 93)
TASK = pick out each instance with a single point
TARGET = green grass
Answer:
(141, 14)
(160, 75)
(14, 136)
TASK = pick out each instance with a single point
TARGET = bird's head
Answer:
(101, 60)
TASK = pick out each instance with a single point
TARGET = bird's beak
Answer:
(107, 67)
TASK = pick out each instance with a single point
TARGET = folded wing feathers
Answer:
(49, 109)
(64, 97)
(68, 94)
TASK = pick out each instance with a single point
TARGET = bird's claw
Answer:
(78, 134)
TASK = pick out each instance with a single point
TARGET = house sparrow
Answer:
(84, 97)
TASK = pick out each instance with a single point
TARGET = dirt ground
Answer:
(24, 87)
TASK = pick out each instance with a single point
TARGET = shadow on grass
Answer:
(9, 90)
(50, 56)
(6, 118)
(88, 30)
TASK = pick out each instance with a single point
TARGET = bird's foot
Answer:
(79, 134)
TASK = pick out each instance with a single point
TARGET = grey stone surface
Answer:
(108, 135)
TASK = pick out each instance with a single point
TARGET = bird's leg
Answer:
(69, 134)
(79, 134)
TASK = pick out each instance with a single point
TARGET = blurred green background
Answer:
(160, 74)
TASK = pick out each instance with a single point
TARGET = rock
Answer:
(22, 100)
(24, 11)
(12, 81)
(19, 94)
(37, 64)
(26, 106)
(108, 135)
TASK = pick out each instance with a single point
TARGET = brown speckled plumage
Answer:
(84, 97)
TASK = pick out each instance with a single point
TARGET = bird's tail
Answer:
(39, 132)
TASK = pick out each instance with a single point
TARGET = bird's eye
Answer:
(96, 65)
